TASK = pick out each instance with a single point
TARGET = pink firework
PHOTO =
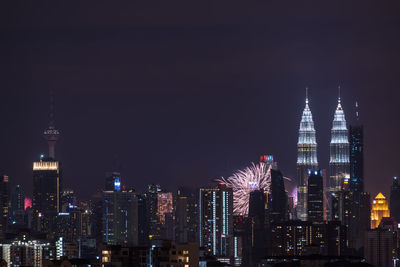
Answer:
(242, 182)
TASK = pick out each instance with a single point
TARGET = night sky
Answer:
(179, 93)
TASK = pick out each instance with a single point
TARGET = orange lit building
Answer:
(380, 209)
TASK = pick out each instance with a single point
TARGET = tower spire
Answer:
(357, 114)
(339, 94)
(306, 158)
(51, 134)
(306, 95)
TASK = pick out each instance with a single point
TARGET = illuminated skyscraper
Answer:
(315, 198)
(380, 209)
(120, 218)
(186, 215)
(47, 177)
(356, 158)
(17, 206)
(395, 199)
(339, 150)
(165, 215)
(113, 181)
(306, 159)
(216, 221)
(4, 202)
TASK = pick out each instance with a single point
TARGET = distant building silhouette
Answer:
(315, 199)
(395, 199)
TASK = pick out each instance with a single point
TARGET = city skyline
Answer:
(199, 134)
(194, 121)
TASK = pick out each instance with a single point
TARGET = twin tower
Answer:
(339, 164)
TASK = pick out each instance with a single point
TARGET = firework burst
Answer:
(242, 182)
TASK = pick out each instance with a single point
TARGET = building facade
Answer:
(306, 159)
(215, 220)
(5, 199)
(379, 210)
(395, 199)
(339, 162)
(120, 218)
(298, 238)
(315, 197)
(46, 203)
(356, 139)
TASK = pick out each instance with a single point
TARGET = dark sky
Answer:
(180, 93)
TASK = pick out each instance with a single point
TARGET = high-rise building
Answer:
(68, 200)
(112, 181)
(299, 238)
(4, 202)
(306, 159)
(353, 210)
(46, 204)
(379, 247)
(356, 138)
(152, 211)
(255, 245)
(339, 150)
(17, 206)
(165, 214)
(143, 224)
(315, 198)
(120, 218)
(380, 209)
(68, 225)
(215, 224)
(395, 199)
(186, 216)
(277, 198)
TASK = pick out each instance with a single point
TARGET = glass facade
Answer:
(306, 159)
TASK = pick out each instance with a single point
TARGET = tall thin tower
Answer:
(51, 134)
(306, 159)
(339, 150)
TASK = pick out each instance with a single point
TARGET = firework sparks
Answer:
(242, 182)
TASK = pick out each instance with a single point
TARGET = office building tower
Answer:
(379, 210)
(143, 224)
(113, 181)
(277, 198)
(358, 220)
(4, 202)
(239, 236)
(395, 199)
(315, 197)
(306, 159)
(356, 139)
(120, 218)
(68, 200)
(255, 244)
(152, 211)
(339, 150)
(164, 205)
(299, 238)
(17, 206)
(165, 214)
(68, 225)
(215, 220)
(342, 202)
(46, 204)
(186, 216)
(379, 247)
